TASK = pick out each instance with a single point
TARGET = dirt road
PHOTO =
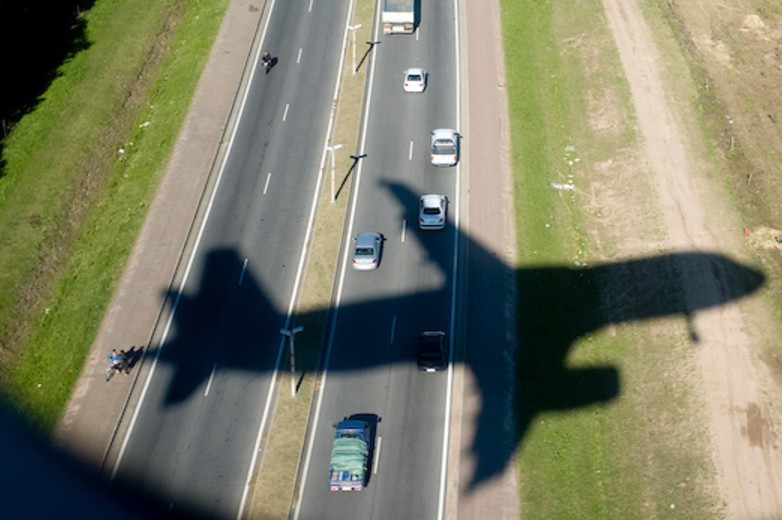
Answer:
(735, 387)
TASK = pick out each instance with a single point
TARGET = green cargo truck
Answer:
(349, 456)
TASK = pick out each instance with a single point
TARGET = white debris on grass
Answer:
(570, 155)
(566, 186)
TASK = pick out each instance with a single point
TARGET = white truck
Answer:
(399, 16)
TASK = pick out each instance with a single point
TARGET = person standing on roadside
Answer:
(122, 366)
(114, 359)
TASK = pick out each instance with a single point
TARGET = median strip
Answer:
(274, 486)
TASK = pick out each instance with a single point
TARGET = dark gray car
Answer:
(432, 352)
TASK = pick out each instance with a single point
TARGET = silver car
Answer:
(431, 211)
(445, 147)
(366, 251)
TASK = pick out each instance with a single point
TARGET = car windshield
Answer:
(414, 77)
(431, 211)
(444, 147)
(364, 251)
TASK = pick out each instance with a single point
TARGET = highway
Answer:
(370, 367)
(195, 431)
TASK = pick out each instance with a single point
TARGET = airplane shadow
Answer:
(556, 306)
(224, 317)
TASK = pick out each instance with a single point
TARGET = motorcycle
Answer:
(266, 61)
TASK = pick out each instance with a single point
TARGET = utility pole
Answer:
(332, 150)
(291, 333)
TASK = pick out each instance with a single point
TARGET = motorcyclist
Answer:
(266, 60)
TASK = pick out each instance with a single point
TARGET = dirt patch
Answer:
(737, 55)
(737, 45)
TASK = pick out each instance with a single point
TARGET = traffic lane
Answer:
(400, 123)
(263, 205)
(279, 143)
(375, 216)
(228, 222)
(282, 129)
(372, 369)
(392, 209)
(408, 470)
(218, 344)
(367, 375)
(224, 235)
(396, 482)
(434, 50)
(398, 144)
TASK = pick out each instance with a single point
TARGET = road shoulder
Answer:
(488, 213)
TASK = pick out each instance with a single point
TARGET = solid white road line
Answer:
(449, 387)
(376, 462)
(209, 384)
(393, 330)
(244, 268)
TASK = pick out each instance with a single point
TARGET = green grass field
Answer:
(604, 417)
(81, 170)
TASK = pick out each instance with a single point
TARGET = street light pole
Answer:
(291, 333)
(353, 29)
(332, 150)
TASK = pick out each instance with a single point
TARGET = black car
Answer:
(432, 353)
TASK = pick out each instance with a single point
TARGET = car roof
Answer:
(443, 133)
(415, 70)
(431, 200)
(367, 238)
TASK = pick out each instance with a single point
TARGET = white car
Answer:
(445, 147)
(415, 80)
(431, 211)
(367, 250)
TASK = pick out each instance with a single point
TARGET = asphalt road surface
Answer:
(370, 369)
(194, 436)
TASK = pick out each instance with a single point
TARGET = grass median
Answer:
(274, 485)
(79, 175)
